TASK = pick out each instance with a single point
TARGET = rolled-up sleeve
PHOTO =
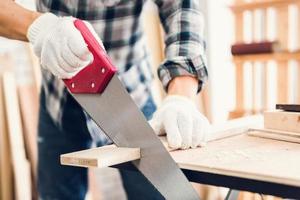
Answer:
(183, 24)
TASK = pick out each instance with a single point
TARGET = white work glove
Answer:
(179, 118)
(59, 45)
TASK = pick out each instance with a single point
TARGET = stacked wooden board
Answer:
(281, 125)
(20, 164)
(18, 125)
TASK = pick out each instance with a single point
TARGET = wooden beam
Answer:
(239, 85)
(255, 106)
(101, 157)
(283, 121)
(282, 66)
(282, 21)
(266, 88)
(239, 27)
(282, 82)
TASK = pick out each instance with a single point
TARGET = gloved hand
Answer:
(179, 118)
(59, 45)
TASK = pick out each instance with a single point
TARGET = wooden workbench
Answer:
(239, 161)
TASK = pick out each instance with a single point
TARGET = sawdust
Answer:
(228, 157)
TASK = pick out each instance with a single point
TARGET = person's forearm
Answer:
(15, 20)
(184, 86)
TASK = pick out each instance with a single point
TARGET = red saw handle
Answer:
(95, 77)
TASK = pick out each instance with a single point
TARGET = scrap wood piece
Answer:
(100, 157)
(283, 121)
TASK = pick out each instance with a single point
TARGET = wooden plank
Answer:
(28, 79)
(29, 102)
(275, 136)
(255, 106)
(246, 157)
(100, 157)
(265, 31)
(29, 106)
(21, 170)
(155, 43)
(282, 66)
(35, 67)
(6, 178)
(265, 91)
(282, 82)
(294, 134)
(239, 27)
(282, 21)
(283, 121)
(240, 104)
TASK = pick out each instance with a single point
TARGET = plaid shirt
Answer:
(119, 26)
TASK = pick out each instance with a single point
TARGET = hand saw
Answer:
(101, 94)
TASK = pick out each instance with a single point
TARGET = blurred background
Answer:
(253, 63)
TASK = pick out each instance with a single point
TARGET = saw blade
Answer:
(117, 115)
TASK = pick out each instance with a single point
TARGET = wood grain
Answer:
(283, 121)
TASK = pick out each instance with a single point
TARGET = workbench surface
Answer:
(247, 157)
(239, 161)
